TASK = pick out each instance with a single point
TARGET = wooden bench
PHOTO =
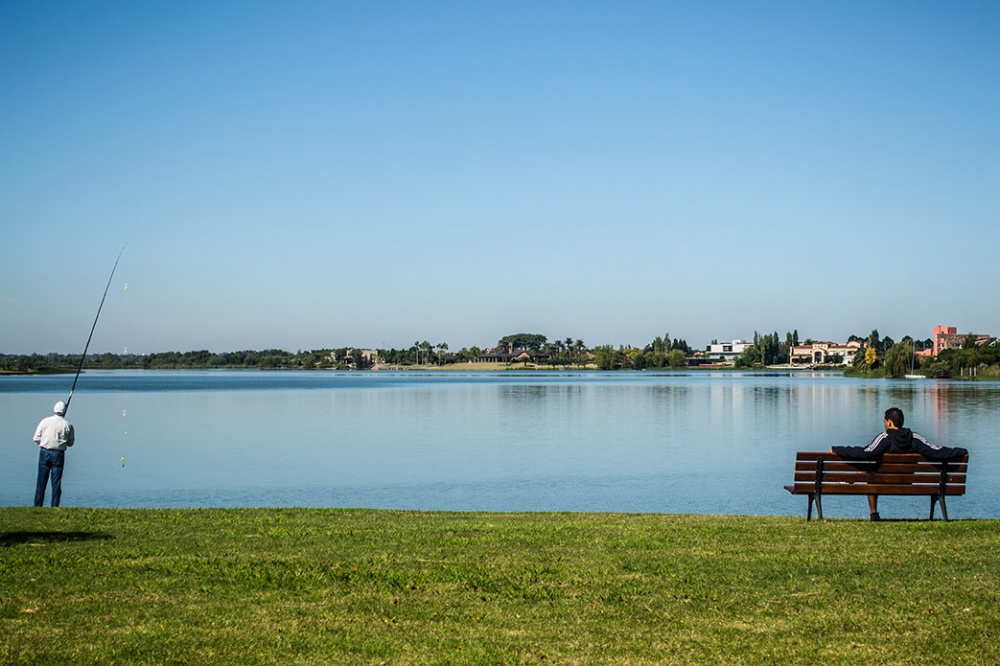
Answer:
(821, 473)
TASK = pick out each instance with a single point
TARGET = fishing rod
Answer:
(90, 337)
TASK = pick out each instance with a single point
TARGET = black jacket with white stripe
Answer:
(899, 440)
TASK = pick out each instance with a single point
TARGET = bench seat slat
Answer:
(873, 489)
(871, 465)
(805, 488)
(888, 457)
(881, 478)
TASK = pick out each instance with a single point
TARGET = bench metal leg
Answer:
(819, 507)
(819, 489)
(942, 487)
(944, 507)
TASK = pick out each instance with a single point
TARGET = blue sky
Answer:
(304, 175)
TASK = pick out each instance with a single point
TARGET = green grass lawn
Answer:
(313, 586)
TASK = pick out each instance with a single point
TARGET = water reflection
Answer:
(698, 443)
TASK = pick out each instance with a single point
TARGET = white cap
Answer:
(60, 408)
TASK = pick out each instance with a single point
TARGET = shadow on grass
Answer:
(8, 539)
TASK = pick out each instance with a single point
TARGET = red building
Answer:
(948, 337)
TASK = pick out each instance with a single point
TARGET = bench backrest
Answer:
(892, 474)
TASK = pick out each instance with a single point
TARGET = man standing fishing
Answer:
(53, 435)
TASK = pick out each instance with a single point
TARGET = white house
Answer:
(729, 351)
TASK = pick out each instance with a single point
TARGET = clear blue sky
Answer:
(304, 175)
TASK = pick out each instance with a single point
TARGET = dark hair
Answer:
(894, 414)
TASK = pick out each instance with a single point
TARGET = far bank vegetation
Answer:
(877, 357)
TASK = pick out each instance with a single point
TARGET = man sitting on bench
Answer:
(896, 439)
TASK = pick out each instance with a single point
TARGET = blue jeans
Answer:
(49, 463)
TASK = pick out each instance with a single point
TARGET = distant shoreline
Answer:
(480, 367)
(459, 367)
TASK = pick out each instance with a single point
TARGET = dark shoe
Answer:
(875, 517)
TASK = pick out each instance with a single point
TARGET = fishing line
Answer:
(90, 337)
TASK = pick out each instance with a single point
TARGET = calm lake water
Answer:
(707, 443)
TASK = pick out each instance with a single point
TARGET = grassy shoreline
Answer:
(279, 586)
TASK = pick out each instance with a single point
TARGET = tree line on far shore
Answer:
(886, 358)
(878, 356)
(567, 352)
